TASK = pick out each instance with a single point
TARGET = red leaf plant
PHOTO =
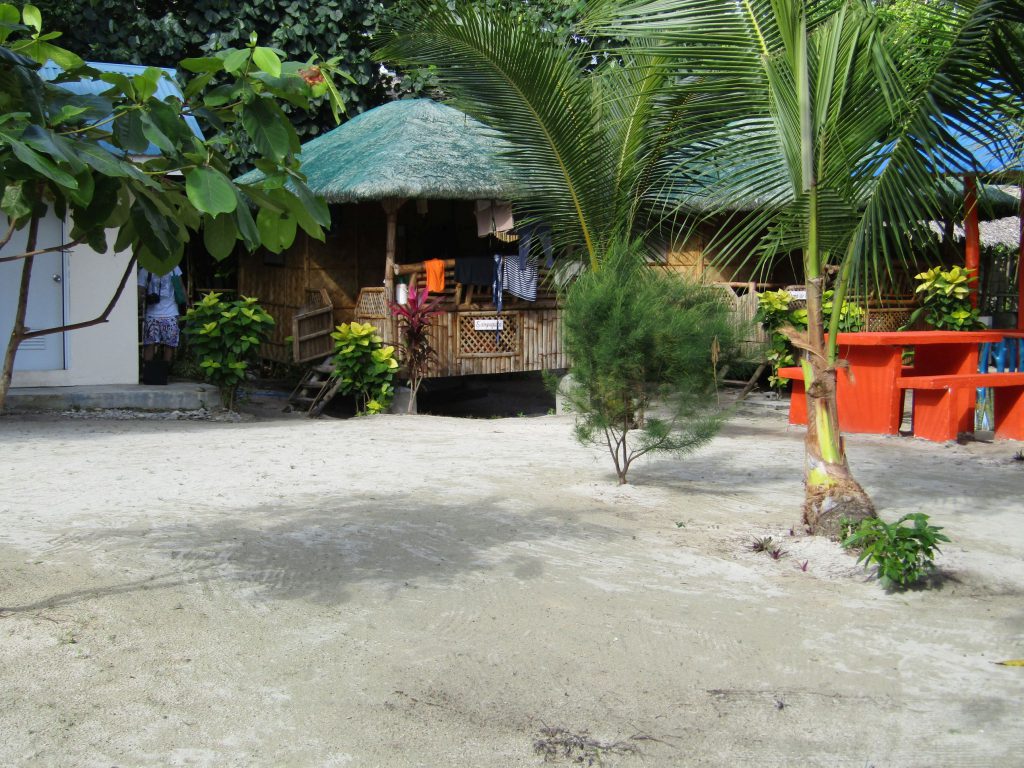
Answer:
(413, 328)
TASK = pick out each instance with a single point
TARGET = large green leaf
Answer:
(15, 204)
(41, 164)
(219, 235)
(267, 60)
(276, 232)
(268, 128)
(128, 132)
(210, 191)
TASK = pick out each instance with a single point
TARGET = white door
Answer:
(45, 298)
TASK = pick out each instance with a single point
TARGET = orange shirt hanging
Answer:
(435, 275)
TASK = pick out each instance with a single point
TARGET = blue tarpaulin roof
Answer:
(167, 86)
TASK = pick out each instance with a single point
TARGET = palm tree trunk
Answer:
(18, 330)
(831, 492)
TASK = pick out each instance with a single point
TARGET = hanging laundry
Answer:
(475, 270)
(498, 278)
(527, 234)
(519, 281)
(493, 216)
(498, 290)
(435, 275)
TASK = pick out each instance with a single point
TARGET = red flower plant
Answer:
(413, 326)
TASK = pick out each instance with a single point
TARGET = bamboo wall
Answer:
(351, 256)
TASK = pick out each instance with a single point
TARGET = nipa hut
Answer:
(409, 184)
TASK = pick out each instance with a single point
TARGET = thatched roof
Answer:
(414, 148)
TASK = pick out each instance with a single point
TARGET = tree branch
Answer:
(27, 254)
(102, 318)
(10, 233)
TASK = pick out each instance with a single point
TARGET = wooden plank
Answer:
(960, 381)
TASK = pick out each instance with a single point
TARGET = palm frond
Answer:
(534, 91)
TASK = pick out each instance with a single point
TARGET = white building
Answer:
(75, 286)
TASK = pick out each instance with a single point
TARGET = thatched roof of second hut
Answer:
(414, 148)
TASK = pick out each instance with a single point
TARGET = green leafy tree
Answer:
(792, 121)
(644, 345)
(161, 33)
(78, 156)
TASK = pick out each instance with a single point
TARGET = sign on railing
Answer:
(488, 324)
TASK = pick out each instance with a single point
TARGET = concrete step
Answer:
(174, 396)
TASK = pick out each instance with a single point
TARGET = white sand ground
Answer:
(418, 591)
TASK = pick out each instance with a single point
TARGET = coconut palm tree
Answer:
(795, 111)
(808, 106)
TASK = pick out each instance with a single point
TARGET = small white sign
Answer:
(799, 295)
(488, 324)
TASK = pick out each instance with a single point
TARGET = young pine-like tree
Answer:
(644, 343)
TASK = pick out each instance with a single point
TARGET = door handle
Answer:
(57, 278)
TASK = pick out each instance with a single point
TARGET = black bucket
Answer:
(155, 371)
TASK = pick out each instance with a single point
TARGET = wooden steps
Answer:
(316, 389)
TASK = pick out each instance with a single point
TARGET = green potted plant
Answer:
(224, 336)
(364, 366)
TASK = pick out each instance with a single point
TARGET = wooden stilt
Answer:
(972, 236)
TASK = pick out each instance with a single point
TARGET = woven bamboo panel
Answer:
(887, 319)
(371, 304)
(478, 343)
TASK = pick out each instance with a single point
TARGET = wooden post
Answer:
(972, 237)
(391, 206)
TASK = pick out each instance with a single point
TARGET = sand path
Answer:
(422, 591)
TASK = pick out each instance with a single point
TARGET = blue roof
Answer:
(1003, 156)
(167, 86)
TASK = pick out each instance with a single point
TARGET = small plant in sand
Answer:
(769, 546)
(640, 341)
(413, 327)
(365, 366)
(903, 553)
(224, 337)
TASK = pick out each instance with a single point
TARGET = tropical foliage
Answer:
(779, 318)
(84, 146)
(644, 345)
(364, 367)
(945, 296)
(162, 32)
(224, 337)
(790, 127)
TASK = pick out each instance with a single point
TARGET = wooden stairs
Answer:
(316, 389)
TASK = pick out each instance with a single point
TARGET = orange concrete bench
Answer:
(937, 415)
(797, 397)
(851, 414)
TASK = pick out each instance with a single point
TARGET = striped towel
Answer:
(521, 281)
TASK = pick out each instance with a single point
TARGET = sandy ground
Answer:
(423, 591)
